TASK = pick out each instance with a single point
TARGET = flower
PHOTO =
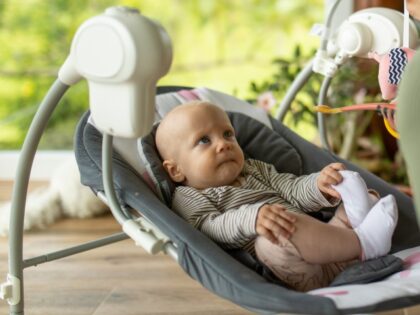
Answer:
(266, 101)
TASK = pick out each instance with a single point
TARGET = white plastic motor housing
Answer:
(375, 30)
(122, 54)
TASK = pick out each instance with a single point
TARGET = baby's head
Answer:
(198, 146)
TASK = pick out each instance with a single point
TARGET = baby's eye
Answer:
(204, 140)
(228, 134)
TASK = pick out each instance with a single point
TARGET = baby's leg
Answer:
(355, 195)
(287, 264)
(376, 230)
(340, 218)
(321, 243)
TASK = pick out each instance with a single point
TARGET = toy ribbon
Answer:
(325, 109)
(382, 108)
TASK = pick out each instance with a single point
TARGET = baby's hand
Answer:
(273, 221)
(330, 176)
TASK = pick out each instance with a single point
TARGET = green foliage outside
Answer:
(221, 44)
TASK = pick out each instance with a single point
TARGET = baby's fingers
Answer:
(284, 214)
(331, 173)
(276, 220)
(284, 230)
(337, 166)
(332, 192)
(280, 227)
(279, 222)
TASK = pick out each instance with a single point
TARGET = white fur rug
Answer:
(64, 197)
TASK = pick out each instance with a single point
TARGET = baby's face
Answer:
(208, 153)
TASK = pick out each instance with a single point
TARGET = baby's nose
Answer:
(223, 145)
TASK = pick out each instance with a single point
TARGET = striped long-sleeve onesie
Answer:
(227, 214)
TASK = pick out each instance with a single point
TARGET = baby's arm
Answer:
(300, 191)
(233, 228)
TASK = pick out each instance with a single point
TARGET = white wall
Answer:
(45, 163)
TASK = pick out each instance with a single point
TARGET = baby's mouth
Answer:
(228, 160)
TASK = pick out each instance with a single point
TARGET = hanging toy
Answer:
(392, 64)
(391, 68)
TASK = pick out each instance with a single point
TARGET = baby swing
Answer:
(122, 54)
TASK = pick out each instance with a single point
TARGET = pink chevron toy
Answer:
(391, 67)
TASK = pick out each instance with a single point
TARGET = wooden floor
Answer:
(116, 279)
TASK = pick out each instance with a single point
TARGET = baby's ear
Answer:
(173, 170)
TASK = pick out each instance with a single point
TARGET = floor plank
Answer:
(115, 279)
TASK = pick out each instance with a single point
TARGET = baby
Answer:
(247, 204)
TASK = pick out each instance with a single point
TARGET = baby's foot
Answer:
(356, 198)
(375, 232)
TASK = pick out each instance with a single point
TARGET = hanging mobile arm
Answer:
(297, 84)
(122, 55)
(315, 65)
(12, 290)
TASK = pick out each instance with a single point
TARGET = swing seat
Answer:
(141, 183)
